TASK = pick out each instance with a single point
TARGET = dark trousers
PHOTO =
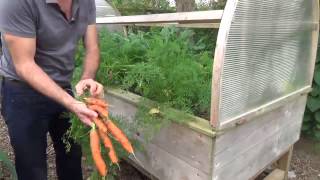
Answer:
(30, 116)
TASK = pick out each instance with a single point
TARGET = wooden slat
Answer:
(190, 146)
(195, 123)
(276, 174)
(213, 16)
(315, 36)
(195, 25)
(249, 148)
(244, 137)
(186, 149)
(284, 162)
(249, 115)
(165, 166)
(219, 61)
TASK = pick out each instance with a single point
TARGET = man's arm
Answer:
(22, 51)
(91, 63)
(92, 58)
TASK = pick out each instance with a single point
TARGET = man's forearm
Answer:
(91, 64)
(39, 80)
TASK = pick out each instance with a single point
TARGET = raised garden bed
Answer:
(259, 89)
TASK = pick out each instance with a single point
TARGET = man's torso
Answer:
(56, 35)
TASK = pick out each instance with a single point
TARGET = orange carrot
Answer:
(108, 144)
(100, 110)
(96, 153)
(101, 126)
(96, 101)
(119, 136)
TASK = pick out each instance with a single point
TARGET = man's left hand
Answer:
(95, 88)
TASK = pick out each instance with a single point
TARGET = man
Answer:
(39, 40)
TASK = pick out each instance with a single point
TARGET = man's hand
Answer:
(95, 88)
(84, 114)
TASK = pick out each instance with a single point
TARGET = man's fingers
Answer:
(86, 120)
(99, 90)
(93, 87)
(90, 113)
(79, 88)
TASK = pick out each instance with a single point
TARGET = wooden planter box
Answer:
(195, 151)
(263, 69)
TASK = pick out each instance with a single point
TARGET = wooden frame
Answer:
(248, 116)
(219, 59)
(245, 144)
(184, 17)
(315, 36)
(188, 25)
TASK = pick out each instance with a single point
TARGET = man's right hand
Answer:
(83, 112)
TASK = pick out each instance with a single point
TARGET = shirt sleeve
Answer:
(16, 18)
(92, 12)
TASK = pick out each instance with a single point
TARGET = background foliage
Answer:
(311, 125)
(130, 7)
(133, 7)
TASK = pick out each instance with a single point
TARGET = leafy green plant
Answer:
(311, 124)
(5, 161)
(165, 65)
(133, 7)
(171, 68)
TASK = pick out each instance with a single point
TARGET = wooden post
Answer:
(284, 162)
(276, 174)
(125, 31)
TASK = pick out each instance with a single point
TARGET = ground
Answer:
(305, 163)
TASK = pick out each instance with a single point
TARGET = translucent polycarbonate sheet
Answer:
(267, 55)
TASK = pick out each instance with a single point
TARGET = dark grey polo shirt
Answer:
(56, 37)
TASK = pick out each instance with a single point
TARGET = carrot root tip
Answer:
(118, 166)
(136, 159)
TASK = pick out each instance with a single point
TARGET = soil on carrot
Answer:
(305, 163)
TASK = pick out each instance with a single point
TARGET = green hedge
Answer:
(311, 124)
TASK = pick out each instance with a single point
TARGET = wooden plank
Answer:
(219, 61)
(213, 16)
(190, 148)
(195, 123)
(245, 137)
(249, 132)
(257, 143)
(249, 115)
(256, 158)
(276, 174)
(197, 25)
(284, 162)
(166, 166)
(315, 35)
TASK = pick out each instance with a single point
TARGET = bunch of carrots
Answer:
(102, 129)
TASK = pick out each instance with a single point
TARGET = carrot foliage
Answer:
(169, 66)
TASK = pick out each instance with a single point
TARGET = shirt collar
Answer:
(51, 1)
(75, 7)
